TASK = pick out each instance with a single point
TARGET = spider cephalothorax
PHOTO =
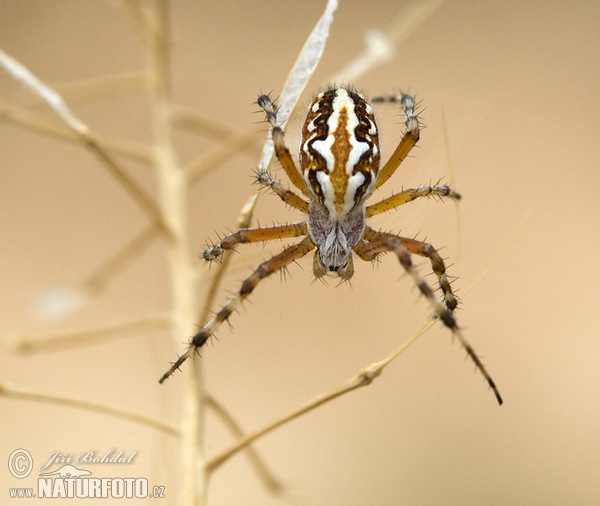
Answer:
(339, 169)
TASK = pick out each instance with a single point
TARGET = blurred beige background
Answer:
(511, 88)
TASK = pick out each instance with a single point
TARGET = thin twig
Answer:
(104, 86)
(14, 391)
(98, 87)
(135, 191)
(210, 160)
(380, 45)
(61, 301)
(409, 21)
(271, 483)
(190, 119)
(29, 344)
(363, 378)
(98, 279)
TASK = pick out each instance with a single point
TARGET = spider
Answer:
(339, 170)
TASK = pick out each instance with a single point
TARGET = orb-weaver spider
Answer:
(339, 170)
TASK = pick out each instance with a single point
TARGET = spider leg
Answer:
(408, 141)
(405, 196)
(265, 269)
(281, 151)
(288, 196)
(248, 235)
(383, 243)
(426, 250)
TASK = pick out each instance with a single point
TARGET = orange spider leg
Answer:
(265, 269)
(383, 243)
(409, 195)
(408, 141)
(249, 235)
(423, 249)
(288, 196)
(281, 151)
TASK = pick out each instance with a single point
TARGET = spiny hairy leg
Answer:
(408, 141)
(265, 269)
(423, 249)
(288, 196)
(248, 235)
(405, 196)
(389, 243)
(281, 151)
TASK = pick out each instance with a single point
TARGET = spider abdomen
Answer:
(339, 150)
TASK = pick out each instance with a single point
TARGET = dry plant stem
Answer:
(104, 273)
(173, 188)
(105, 86)
(136, 192)
(138, 244)
(265, 475)
(10, 390)
(411, 19)
(214, 157)
(193, 120)
(40, 124)
(27, 344)
(380, 46)
(363, 378)
(188, 118)
(130, 149)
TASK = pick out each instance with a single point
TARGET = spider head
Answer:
(339, 151)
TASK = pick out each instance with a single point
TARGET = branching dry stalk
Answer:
(271, 483)
(89, 139)
(13, 391)
(107, 270)
(173, 195)
(168, 218)
(204, 163)
(364, 378)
